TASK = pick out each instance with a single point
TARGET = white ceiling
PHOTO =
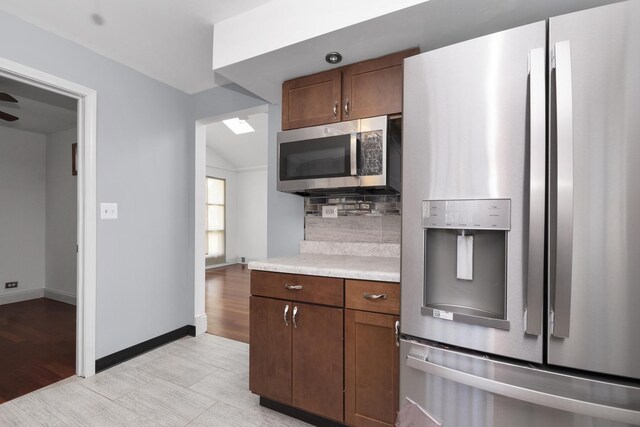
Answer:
(38, 110)
(428, 25)
(245, 151)
(168, 40)
(171, 40)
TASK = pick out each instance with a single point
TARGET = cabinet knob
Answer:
(367, 295)
(293, 287)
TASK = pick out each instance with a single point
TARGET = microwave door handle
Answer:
(537, 142)
(353, 155)
(561, 313)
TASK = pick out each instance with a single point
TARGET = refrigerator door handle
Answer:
(561, 315)
(537, 142)
(512, 391)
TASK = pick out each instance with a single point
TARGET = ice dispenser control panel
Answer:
(480, 214)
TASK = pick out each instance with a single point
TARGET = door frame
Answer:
(86, 205)
(200, 174)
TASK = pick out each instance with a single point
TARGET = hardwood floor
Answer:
(227, 301)
(37, 345)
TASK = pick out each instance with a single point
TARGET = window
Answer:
(215, 221)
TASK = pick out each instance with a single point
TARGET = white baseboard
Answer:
(60, 296)
(201, 324)
(224, 264)
(21, 296)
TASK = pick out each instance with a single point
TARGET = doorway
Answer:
(86, 100)
(233, 163)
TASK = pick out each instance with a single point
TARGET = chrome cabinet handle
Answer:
(335, 109)
(346, 107)
(293, 287)
(293, 317)
(537, 157)
(284, 316)
(367, 295)
(397, 328)
(561, 311)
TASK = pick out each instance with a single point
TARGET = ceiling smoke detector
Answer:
(333, 57)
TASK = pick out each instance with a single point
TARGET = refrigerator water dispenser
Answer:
(465, 260)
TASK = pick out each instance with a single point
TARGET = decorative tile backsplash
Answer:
(355, 205)
(371, 219)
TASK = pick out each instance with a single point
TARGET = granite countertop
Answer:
(347, 265)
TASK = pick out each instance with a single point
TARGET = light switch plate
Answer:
(108, 211)
(329, 211)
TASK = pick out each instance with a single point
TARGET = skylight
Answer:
(238, 126)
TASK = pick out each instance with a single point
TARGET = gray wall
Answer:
(143, 284)
(146, 151)
(22, 216)
(145, 164)
(61, 218)
(285, 212)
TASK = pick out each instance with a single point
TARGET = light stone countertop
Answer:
(384, 269)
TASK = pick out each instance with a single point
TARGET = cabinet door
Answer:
(270, 349)
(371, 374)
(317, 359)
(373, 88)
(311, 100)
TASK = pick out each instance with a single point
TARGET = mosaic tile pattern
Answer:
(389, 205)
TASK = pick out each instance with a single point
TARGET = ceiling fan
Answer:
(5, 97)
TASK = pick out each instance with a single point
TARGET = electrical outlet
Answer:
(329, 211)
(10, 285)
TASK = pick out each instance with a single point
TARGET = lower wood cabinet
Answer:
(371, 371)
(318, 360)
(326, 346)
(297, 341)
(270, 349)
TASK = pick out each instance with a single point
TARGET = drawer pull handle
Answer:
(293, 318)
(367, 295)
(284, 316)
(293, 287)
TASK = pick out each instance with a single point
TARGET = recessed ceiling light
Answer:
(333, 57)
(238, 126)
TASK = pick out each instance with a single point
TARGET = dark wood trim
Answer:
(298, 413)
(136, 350)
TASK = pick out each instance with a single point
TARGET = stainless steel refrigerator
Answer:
(521, 225)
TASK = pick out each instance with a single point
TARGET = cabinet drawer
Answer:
(360, 295)
(295, 287)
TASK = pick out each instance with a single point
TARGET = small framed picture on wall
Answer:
(74, 159)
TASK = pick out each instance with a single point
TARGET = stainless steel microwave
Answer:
(359, 156)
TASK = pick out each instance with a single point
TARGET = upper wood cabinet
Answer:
(365, 89)
(373, 88)
(311, 100)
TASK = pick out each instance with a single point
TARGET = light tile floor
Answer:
(202, 381)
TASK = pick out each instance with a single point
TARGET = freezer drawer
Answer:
(462, 390)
